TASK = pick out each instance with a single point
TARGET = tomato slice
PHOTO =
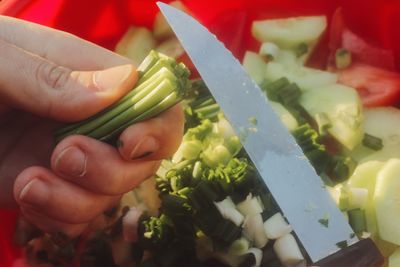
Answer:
(376, 86)
(362, 51)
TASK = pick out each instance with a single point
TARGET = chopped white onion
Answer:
(228, 210)
(288, 251)
(276, 226)
(130, 224)
(249, 206)
(253, 229)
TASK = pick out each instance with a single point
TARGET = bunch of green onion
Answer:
(162, 83)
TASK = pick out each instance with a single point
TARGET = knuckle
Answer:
(51, 75)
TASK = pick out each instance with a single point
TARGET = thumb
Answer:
(37, 85)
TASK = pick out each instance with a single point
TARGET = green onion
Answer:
(372, 142)
(342, 58)
(162, 84)
(357, 220)
(301, 49)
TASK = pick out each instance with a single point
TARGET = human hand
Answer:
(47, 77)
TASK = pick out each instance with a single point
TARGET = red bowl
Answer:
(104, 21)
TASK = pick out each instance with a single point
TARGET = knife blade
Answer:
(288, 175)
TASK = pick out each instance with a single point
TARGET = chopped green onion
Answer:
(301, 49)
(342, 58)
(372, 142)
(357, 220)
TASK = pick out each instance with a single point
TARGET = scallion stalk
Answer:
(162, 83)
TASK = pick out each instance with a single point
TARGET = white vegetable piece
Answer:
(161, 27)
(253, 229)
(257, 255)
(130, 224)
(171, 47)
(290, 32)
(394, 259)
(249, 206)
(285, 116)
(239, 246)
(287, 250)
(276, 226)
(269, 49)
(136, 44)
(228, 210)
(255, 66)
(358, 197)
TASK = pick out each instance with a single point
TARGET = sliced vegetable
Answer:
(253, 230)
(161, 27)
(387, 202)
(287, 250)
(376, 87)
(136, 44)
(250, 206)
(394, 259)
(363, 52)
(255, 66)
(228, 210)
(276, 227)
(290, 32)
(342, 58)
(304, 77)
(343, 108)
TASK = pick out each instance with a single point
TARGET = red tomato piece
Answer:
(362, 51)
(376, 86)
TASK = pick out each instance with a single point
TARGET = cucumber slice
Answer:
(171, 47)
(255, 66)
(342, 106)
(387, 201)
(304, 77)
(285, 116)
(364, 176)
(384, 123)
(290, 32)
(136, 44)
(161, 27)
(394, 259)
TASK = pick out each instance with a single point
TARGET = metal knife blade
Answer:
(293, 182)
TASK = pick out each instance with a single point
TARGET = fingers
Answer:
(38, 190)
(59, 47)
(155, 139)
(44, 88)
(49, 225)
(98, 167)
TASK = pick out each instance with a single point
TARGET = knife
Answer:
(289, 176)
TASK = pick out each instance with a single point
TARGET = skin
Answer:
(44, 82)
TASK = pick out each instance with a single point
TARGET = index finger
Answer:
(57, 46)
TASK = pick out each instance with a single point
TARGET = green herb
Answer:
(372, 142)
(301, 49)
(163, 82)
(342, 58)
(324, 221)
(342, 244)
(357, 220)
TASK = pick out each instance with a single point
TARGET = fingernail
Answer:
(111, 78)
(35, 193)
(145, 147)
(72, 162)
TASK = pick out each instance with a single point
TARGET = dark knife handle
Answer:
(364, 253)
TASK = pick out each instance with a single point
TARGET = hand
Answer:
(47, 77)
